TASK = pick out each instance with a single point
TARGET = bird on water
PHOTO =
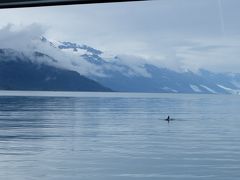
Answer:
(168, 119)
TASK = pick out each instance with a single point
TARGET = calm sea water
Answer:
(108, 136)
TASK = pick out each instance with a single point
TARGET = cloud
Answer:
(135, 65)
(191, 54)
(217, 55)
(20, 38)
(176, 53)
(28, 40)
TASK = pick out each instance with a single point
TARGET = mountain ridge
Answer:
(161, 79)
(119, 74)
(21, 73)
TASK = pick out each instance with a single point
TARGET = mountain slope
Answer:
(58, 65)
(18, 72)
(145, 77)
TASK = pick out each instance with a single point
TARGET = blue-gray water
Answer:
(108, 136)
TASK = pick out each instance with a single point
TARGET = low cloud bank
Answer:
(28, 40)
(217, 55)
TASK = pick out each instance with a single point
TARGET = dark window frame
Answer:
(37, 3)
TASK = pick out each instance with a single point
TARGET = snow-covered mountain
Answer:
(125, 73)
(121, 75)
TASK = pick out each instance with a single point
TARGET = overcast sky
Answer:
(189, 34)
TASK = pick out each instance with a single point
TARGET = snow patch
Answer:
(195, 88)
(208, 89)
(77, 52)
(169, 89)
(230, 90)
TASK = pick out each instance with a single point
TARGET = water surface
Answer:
(92, 136)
